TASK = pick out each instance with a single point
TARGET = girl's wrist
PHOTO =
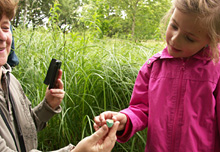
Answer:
(127, 128)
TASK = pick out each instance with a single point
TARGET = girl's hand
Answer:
(55, 95)
(116, 116)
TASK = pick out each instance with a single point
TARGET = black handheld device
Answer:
(52, 73)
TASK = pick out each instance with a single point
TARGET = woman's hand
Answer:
(103, 140)
(55, 95)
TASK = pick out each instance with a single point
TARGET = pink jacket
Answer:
(179, 101)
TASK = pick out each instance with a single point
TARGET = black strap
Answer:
(9, 128)
(14, 111)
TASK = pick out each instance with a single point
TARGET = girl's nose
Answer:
(3, 36)
(174, 39)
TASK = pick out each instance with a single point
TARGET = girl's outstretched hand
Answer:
(55, 95)
(116, 116)
(103, 140)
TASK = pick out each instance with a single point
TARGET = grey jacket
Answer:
(31, 119)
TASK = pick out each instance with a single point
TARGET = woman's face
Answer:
(5, 39)
(185, 35)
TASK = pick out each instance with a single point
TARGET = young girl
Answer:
(177, 91)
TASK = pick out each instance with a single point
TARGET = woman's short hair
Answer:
(8, 8)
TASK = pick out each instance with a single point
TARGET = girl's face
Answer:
(185, 35)
(5, 39)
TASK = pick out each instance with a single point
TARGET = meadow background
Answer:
(98, 74)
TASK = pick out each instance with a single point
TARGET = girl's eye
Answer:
(189, 39)
(174, 26)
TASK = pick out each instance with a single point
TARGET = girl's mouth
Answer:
(174, 49)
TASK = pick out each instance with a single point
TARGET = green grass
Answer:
(98, 75)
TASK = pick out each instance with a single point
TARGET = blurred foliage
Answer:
(128, 19)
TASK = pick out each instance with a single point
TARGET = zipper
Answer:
(175, 123)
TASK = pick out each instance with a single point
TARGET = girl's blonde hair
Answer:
(208, 12)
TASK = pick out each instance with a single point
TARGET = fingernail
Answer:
(105, 127)
(114, 118)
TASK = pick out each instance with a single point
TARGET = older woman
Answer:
(19, 123)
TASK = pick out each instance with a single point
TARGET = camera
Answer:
(52, 73)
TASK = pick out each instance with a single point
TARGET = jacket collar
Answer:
(6, 69)
(201, 55)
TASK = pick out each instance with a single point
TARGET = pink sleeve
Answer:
(137, 112)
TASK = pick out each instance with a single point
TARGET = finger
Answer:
(96, 127)
(106, 115)
(102, 117)
(117, 117)
(110, 140)
(57, 91)
(58, 97)
(59, 76)
(114, 129)
(97, 120)
(59, 84)
(99, 134)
